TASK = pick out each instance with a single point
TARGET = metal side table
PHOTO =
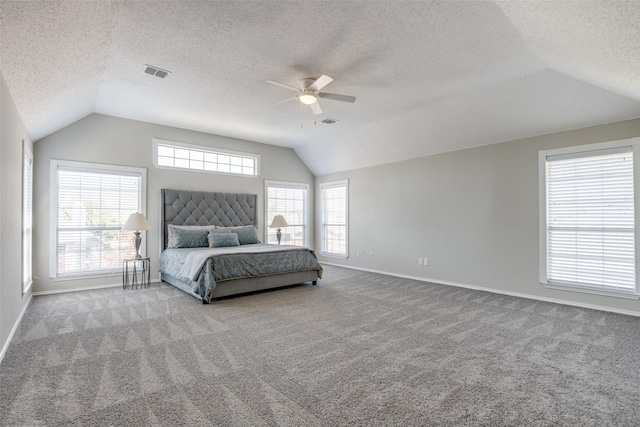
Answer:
(136, 273)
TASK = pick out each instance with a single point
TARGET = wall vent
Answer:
(329, 121)
(155, 71)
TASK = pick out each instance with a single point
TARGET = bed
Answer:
(190, 264)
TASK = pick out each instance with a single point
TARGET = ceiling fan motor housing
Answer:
(306, 83)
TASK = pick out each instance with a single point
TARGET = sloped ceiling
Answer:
(429, 76)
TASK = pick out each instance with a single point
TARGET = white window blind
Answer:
(27, 219)
(290, 201)
(92, 203)
(169, 154)
(334, 218)
(590, 219)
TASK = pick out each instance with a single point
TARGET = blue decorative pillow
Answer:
(246, 235)
(187, 238)
(221, 240)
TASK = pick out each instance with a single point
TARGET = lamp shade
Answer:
(136, 221)
(278, 222)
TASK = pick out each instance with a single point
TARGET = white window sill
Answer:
(595, 291)
(88, 276)
(330, 255)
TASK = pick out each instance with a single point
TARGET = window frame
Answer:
(55, 164)
(634, 144)
(323, 187)
(285, 185)
(204, 149)
(27, 218)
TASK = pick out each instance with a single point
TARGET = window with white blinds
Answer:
(176, 155)
(334, 199)
(590, 219)
(27, 221)
(289, 200)
(90, 203)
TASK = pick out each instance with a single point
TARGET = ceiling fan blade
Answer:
(271, 82)
(320, 82)
(337, 97)
(315, 107)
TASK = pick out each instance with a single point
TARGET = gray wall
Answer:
(104, 139)
(12, 133)
(473, 213)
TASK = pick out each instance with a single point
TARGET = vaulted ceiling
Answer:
(429, 76)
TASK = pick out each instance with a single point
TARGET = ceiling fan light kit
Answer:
(307, 97)
(310, 92)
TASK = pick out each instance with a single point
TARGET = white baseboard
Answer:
(496, 291)
(5, 347)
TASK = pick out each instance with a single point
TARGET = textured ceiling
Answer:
(429, 76)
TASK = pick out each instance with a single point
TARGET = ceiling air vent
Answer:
(155, 71)
(329, 121)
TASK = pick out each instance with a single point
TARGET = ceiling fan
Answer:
(310, 92)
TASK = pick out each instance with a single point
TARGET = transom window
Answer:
(589, 212)
(176, 155)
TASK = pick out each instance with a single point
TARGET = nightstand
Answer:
(136, 273)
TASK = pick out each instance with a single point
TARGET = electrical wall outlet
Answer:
(425, 261)
(371, 255)
(420, 261)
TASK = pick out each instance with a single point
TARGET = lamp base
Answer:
(278, 235)
(137, 240)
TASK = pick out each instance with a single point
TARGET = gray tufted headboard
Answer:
(183, 207)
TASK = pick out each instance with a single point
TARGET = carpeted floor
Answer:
(358, 349)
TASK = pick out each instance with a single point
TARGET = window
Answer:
(27, 221)
(290, 201)
(89, 204)
(175, 155)
(588, 240)
(334, 196)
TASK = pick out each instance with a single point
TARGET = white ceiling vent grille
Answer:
(329, 121)
(155, 71)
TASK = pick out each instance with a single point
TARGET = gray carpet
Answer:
(358, 349)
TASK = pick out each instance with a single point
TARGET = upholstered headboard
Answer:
(181, 207)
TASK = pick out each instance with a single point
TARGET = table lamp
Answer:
(278, 222)
(137, 222)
